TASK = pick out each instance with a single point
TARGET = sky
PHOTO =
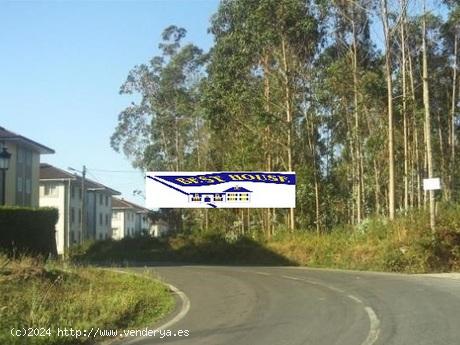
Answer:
(62, 64)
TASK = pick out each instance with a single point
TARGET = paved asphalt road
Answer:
(293, 306)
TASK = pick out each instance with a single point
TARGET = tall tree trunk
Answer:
(404, 104)
(267, 219)
(452, 118)
(418, 170)
(391, 177)
(311, 131)
(426, 103)
(356, 133)
(445, 191)
(288, 105)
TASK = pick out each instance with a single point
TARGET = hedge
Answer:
(25, 230)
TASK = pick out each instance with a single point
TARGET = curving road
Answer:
(294, 306)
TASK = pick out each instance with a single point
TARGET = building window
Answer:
(72, 215)
(106, 200)
(100, 218)
(79, 216)
(100, 199)
(28, 155)
(232, 197)
(28, 186)
(21, 154)
(19, 185)
(106, 219)
(51, 190)
(80, 193)
(72, 192)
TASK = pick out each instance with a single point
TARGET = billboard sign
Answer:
(229, 189)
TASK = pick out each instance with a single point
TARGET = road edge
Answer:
(175, 316)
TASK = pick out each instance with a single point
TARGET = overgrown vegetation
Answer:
(403, 245)
(34, 294)
(205, 248)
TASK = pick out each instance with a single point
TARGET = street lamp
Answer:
(4, 165)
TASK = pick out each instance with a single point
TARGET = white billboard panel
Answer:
(238, 189)
(431, 183)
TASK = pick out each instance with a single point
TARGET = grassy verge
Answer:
(36, 295)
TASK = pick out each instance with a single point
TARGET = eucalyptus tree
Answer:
(164, 130)
(260, 51)
(156, 132)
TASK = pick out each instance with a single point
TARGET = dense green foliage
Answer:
(405, 244)
(28, 230)
(307, 86)
(209, 248)
(35, 295)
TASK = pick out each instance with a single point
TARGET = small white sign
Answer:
(227, 189)
(432, 183)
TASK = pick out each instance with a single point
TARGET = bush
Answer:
(28, 230)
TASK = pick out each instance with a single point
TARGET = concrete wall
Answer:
(56, 199)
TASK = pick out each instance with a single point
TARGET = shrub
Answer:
(28, 230)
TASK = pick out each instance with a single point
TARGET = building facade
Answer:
(63, 190)
(129, 219)
(22, 177)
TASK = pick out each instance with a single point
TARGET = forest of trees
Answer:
(360, 98)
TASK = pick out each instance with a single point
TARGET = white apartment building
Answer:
(63, 190)
(128, 219)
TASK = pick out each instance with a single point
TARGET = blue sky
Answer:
(61, 66)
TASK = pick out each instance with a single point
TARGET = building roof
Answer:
(237, 189)
(6, 135)
(50, 173)
(125, 204)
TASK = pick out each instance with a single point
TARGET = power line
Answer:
(117, 171)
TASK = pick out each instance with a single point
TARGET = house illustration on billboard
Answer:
(233, 194)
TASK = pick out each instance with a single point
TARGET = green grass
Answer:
(33, 294)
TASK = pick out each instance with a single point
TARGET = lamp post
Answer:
(4, 165)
